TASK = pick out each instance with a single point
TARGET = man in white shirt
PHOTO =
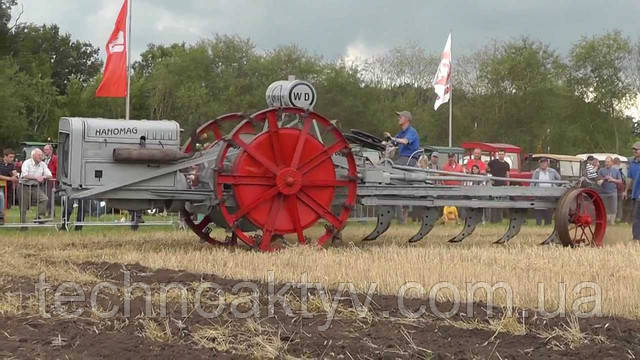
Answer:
(544, 173)
(33, 176)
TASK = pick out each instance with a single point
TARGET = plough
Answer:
(272, 177)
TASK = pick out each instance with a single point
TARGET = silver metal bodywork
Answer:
(87, 168)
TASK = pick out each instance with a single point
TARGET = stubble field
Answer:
(367, 300)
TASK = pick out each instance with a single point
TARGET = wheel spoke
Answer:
(320, 209)
(246, 179)
(260, 199)
(325, 183)
(261, 159)
(301, 140)
(267, 234)
(292, 207)
(216, 130)
(585, 204)
(578, 203)
(326, 153)
(275, 138)
(583, 235)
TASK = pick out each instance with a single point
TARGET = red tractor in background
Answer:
(513, 156)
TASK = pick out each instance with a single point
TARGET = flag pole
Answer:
(128, 101)
(450, 92)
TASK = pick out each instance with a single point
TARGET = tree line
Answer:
(519, 91)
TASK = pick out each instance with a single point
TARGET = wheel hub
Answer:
(584, 220)
(289, 181)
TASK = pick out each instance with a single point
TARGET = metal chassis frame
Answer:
(513, 197)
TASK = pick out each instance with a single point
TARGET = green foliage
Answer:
(5, 19)
(29, 103)
(12, 105)
(597, 75)
(522, 94)
(5, 11)
(597, 66)
(42, 50)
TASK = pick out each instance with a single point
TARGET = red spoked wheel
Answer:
(205, 136)
(283, 179)
(212, 131)
(581, 218)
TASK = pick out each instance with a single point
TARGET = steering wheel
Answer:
(366, 135)
(365, 142)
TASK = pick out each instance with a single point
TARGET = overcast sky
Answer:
(337, 28)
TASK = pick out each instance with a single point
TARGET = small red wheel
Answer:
(206, 135)
(284, 179)
(212, 131)
(581, 218)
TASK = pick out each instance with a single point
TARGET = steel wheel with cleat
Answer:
(581, 218)
(284, 179)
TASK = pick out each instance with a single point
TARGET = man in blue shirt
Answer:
(407, 140)
(634, 185)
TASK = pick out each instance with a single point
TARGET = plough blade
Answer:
(516, 219)
(472, 216)
(385, 215)
(552, 239)
(429, 219)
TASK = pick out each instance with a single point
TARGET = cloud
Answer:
(339, 28)
(358, 51)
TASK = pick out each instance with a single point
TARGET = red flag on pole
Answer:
(442, 79)
(114, 81)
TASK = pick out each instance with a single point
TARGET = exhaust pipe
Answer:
(148, 155)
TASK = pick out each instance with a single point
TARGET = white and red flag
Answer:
(114, 81)
(442, 79)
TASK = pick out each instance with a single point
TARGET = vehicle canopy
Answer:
(602, 156)
(444, 151)
(37, 143)
(490, 147)
(569, 167)
(624, 161)
(557, 157)
(512, 155)
(28, 146)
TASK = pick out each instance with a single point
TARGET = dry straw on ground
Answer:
(388, 262)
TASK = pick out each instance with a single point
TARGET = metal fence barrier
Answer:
(41, 205)
(363, 213)
(28, 205)
(79, 213)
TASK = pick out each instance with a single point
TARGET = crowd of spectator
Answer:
(28, 183)
(9, 175)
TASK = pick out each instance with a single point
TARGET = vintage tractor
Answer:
(287, 174)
